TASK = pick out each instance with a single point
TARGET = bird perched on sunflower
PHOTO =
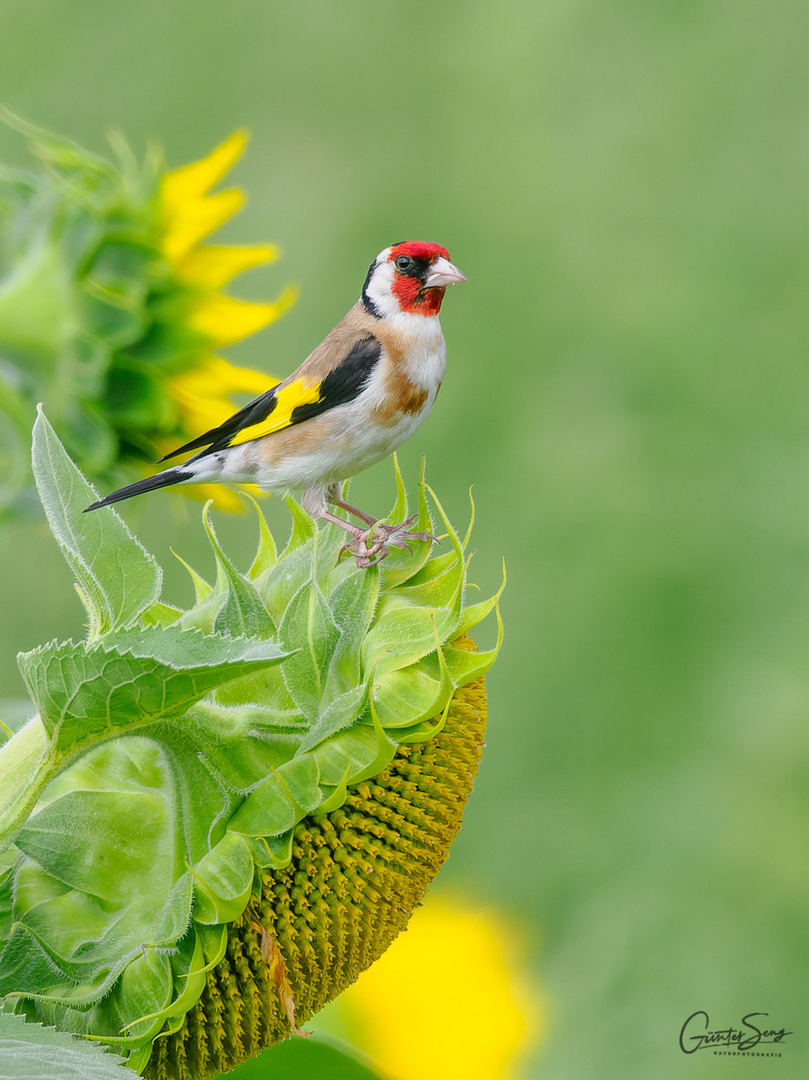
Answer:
(358, 396)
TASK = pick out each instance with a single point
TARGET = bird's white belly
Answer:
(353, 445)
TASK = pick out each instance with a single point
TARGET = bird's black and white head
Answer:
(409, 278)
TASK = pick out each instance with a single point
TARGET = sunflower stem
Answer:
(27, 763)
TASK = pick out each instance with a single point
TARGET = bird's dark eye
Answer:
(404, 263)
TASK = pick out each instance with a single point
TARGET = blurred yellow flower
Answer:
(446, 1001)
(203, 394)
(111, 306)
(189, 213)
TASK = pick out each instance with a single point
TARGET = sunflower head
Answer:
(221, 815)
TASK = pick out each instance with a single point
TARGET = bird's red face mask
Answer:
(421, 273)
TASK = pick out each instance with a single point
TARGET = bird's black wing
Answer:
(292, 402)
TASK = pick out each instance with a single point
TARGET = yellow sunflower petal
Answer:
(215, 265)
(196, 179)
(214, 377)
(196, 219)
(224, 320)
(451, 981)
(203, 393)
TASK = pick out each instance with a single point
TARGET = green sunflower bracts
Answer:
(177, 755)
(82, 285)
(110, 305)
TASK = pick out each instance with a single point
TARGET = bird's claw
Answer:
(376, 542)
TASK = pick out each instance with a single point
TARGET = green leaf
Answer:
(303, 527)
(190, 974)
(202, 589)
(137, 396)
(133, 678)
(243, 612)
(320, 1056)
(145, 989)
(399, 638)
(266, 555)
(95, 896)
(159, 614)
(352, 755)
(332, 561)
(474, 614)
(440, 594)
(399, 509)
(353, 603)
(119, 578)
(31, 1050)
(279, 801)
(308, 626)
(339, 713)
(402, 564)
(274, 851)
(411, 695)
(279, 585)
(35, 305)
(464, 667)
(49, 838)
(223, 880)
(203, 616)
(264, 694)
(432, 571)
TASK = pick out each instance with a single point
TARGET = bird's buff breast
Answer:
(327, 449)
(351, 437)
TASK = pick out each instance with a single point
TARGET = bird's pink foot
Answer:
(370, 546)
(378, 540)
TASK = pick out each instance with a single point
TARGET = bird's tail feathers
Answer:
(151, 483)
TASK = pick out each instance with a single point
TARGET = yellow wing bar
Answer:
(303, 391)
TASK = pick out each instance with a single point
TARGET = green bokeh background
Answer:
(625, 184)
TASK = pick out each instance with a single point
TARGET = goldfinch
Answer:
(361, 393)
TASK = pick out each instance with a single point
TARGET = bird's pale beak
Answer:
(442, 272)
